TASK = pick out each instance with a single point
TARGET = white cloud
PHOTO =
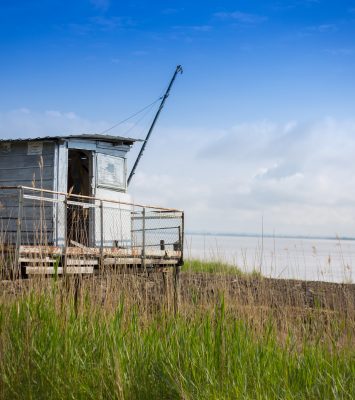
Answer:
(102, 24)
(196, 28)
(53, 113)
(201, 28)
(318, 30)
(241, 17)
(101, 4)
(139, 53)
(171, 11)
(322, 28)
(24, 123)
(110, 23)
(71, 115)
(342, 51)
(297, 176)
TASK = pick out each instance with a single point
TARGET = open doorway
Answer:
(79, 183)
(79, 172)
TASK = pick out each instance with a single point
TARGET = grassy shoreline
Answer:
(122, 340)
(216, 267)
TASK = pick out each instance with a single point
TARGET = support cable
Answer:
(132, 116)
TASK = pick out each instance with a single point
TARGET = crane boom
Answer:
(166, 95)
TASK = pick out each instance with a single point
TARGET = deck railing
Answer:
(38, 217)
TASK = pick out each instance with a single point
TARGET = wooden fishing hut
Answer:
(64, 208)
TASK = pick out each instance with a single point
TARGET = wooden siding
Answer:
(17, 167)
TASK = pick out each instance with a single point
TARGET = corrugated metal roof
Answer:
(84, 136)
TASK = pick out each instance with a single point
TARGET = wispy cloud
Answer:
(195, 28)
(241, 17)
(317, 30)
(288, 4)
(139, 53)
(323, 28)
(101, 23)
(341, 51)
(171, 11)
(23, 122)
(201, 28)
(101, 4)
(111, 23)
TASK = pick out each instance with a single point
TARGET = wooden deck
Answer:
(82, 234)
(48, 260)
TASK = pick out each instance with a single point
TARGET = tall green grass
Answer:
(215, 267)
(50, 350)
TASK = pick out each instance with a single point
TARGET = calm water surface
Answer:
(309, 259)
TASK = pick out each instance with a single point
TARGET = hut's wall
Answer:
(110, 179)
(44, 164)
(26, 164)
(107, 179)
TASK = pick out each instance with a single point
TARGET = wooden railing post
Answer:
(65, 203)
(101, 235)
(177, 267)
(18, 233)
(182, 232)
(143, 237)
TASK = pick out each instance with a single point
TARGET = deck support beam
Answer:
(176, 288)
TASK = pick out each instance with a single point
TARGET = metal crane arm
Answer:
(166, 95)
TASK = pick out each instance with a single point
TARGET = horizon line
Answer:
(269, 235)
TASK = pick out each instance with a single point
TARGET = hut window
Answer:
(111, 171)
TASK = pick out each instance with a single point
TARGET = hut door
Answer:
(79, 182)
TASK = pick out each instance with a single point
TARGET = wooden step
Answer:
(43, 260)
(30, 270)
(138, 261)
(47, 260)
(77, 262)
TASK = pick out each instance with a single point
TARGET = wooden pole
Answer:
(143, 239)
(101, 236)
(176, 289)
(18, 234)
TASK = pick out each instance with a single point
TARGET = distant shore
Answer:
(269, 235)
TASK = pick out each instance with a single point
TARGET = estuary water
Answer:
(306, 259)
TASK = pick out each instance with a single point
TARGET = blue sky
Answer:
(260, 125)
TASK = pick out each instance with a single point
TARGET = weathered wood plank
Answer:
(38, 183)
(114, 252)
(42, 260)
(15, 174)
(30, 270)
(138, 261)
(72, 261)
